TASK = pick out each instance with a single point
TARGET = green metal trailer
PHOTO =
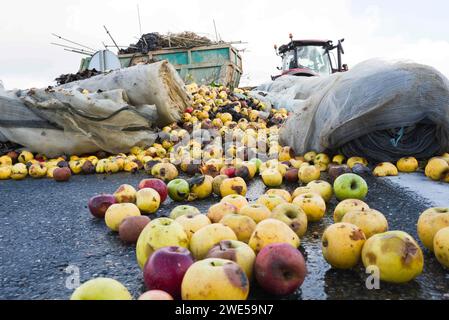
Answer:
(218, 63)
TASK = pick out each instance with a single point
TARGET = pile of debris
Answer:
(155, 41)
(71, 77)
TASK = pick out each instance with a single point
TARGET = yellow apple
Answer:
(118, 212)
(272, 231)
(207, 237)
(342, 245)
(215, 279)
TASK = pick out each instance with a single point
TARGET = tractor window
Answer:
(314, 58)
(288, 60)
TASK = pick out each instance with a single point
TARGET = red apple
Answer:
(165, 270)
(62, 174)
(99, 204)
(230, 172)
(335, 171)
(157, 185)
(14, 155)
(155, 295)
(292, 175)
(280, 269)
(131, 228)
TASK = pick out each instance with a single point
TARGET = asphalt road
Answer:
(46, 227)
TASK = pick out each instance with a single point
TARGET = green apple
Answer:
(257, 162)
(178, 189)
(101, 289)
(350, 186)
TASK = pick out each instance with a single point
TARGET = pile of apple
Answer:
(217, 255)
(233, 114)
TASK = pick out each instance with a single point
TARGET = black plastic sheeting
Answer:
(420, 141)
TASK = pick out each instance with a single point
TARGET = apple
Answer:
(338, 159)
(164, 171)
(308, 173)
(233, 186)
(207, 237)
(243, 172)
(215, 279)
(88, 167)
(37, 170)
(182, 210)
(192, 223)
(216, 183)
(271, 178)
(19, 171)
(236, 251)
(430, 222)
(100, 203)
(159, 233)
(125, 194)
(101, 289)
(236, 200)
(178, 189)
(243, 226)
(385, 169)
(356, 160)
(25, 156)
(342, 245)
(302, 190)
(396, 255)
(361, 170)
(370, 221)
(436, 168)
(441, 246)
(256, 211)
(157, 185)
(292, 175)
(280, 269)
(280, 192)
(62, 174)
(219, 210)
(131, 228)
(313, 206)
(270, 200)
(14, 156)
(310, 156)
(118, 212)
(228, 171)
(271, 231)
(350, 186)
(346, 206)
(257, 162)
(5, 172)
(148, 200)
(334, 171)
(173, 262)
(323, 188)
(408, 164)
(155, 295)
(293, 216)
(200, 187)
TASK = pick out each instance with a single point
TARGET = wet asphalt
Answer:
(46, 227)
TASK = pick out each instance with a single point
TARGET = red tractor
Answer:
(310, 58)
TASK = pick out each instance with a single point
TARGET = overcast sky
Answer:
(400, 29)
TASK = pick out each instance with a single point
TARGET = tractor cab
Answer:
(310, 58)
